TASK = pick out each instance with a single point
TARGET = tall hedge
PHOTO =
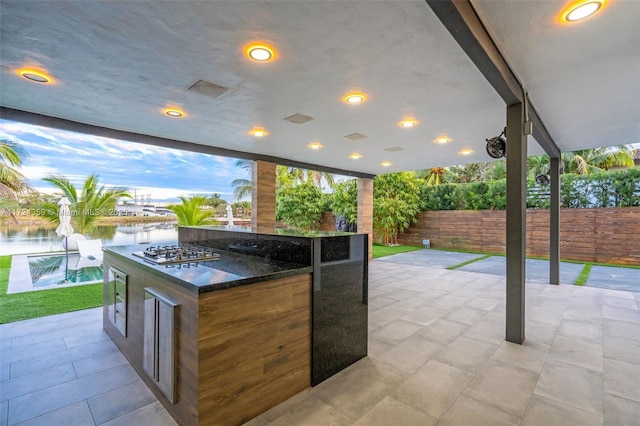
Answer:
(396, 203)
(300, 206)
(607, 189)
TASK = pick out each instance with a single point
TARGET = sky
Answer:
(146, 170)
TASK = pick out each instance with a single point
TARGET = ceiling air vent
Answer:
(208, 89)
(298, 118)
(394, 149)
(355, 136)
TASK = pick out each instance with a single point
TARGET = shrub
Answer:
(396, 202)
(343, 201)
(606, 189)
(300, 206)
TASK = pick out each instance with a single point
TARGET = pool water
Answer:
(54, 270)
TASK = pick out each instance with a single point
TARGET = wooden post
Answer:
(365, 210)
(263, 195)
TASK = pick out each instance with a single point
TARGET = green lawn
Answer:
(34, 304)
(380, 250)
(584, 275)
(5, 267)
(460, 265)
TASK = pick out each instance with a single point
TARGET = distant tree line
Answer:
(619, 188)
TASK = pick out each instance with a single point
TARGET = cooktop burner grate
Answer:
(176, 253)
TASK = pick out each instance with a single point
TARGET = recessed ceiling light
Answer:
(174, 112)
(354, 98)
(442, 140)
(355, 156)
(408, 123)
(35, 76)
(315, 145)
(466, 151)
(258, 132)
(581, 10)
(385, 164)
(260, 52)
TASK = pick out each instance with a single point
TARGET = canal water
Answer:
(42, 239)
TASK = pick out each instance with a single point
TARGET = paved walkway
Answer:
(613, 278)
(437, 355)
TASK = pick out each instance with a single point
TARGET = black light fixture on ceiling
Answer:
(497, 146)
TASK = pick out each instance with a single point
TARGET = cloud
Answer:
(166, 172)
(171, 195)
(37, 172)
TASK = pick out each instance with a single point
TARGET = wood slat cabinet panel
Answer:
(255, 348)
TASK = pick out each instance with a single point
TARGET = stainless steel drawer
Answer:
(159, 341)
(117, 299)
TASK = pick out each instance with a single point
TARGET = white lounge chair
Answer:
(90, 249)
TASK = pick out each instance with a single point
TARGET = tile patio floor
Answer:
(437, 355)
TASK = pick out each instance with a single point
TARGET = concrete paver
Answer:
(536, 269)
(433, 258)
(443, 359)
(613, 278)
(608, 277)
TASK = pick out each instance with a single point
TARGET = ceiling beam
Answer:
(461, 20)
(541, 134)
(74, 126)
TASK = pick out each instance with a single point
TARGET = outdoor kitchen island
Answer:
(238, 321)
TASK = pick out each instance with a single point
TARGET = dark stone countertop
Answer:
(276, 231)
(231, 270)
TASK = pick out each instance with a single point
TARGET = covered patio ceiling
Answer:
(117, 65)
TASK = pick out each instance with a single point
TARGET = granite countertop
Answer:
(276, 231)
(231, 270)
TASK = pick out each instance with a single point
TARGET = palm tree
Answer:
(285, 176)
(436, 175)
(584, 161)
(215, 200)
(12, 182)
(92, 202)
(191, 213)
(311, 176)
(242, 208)
(242, 187)
(589, 160)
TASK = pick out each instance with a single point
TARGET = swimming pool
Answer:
(57, 270)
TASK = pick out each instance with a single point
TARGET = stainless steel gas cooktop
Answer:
(176, 253)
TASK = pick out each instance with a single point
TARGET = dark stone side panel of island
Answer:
(340, 310)
(340, 284)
